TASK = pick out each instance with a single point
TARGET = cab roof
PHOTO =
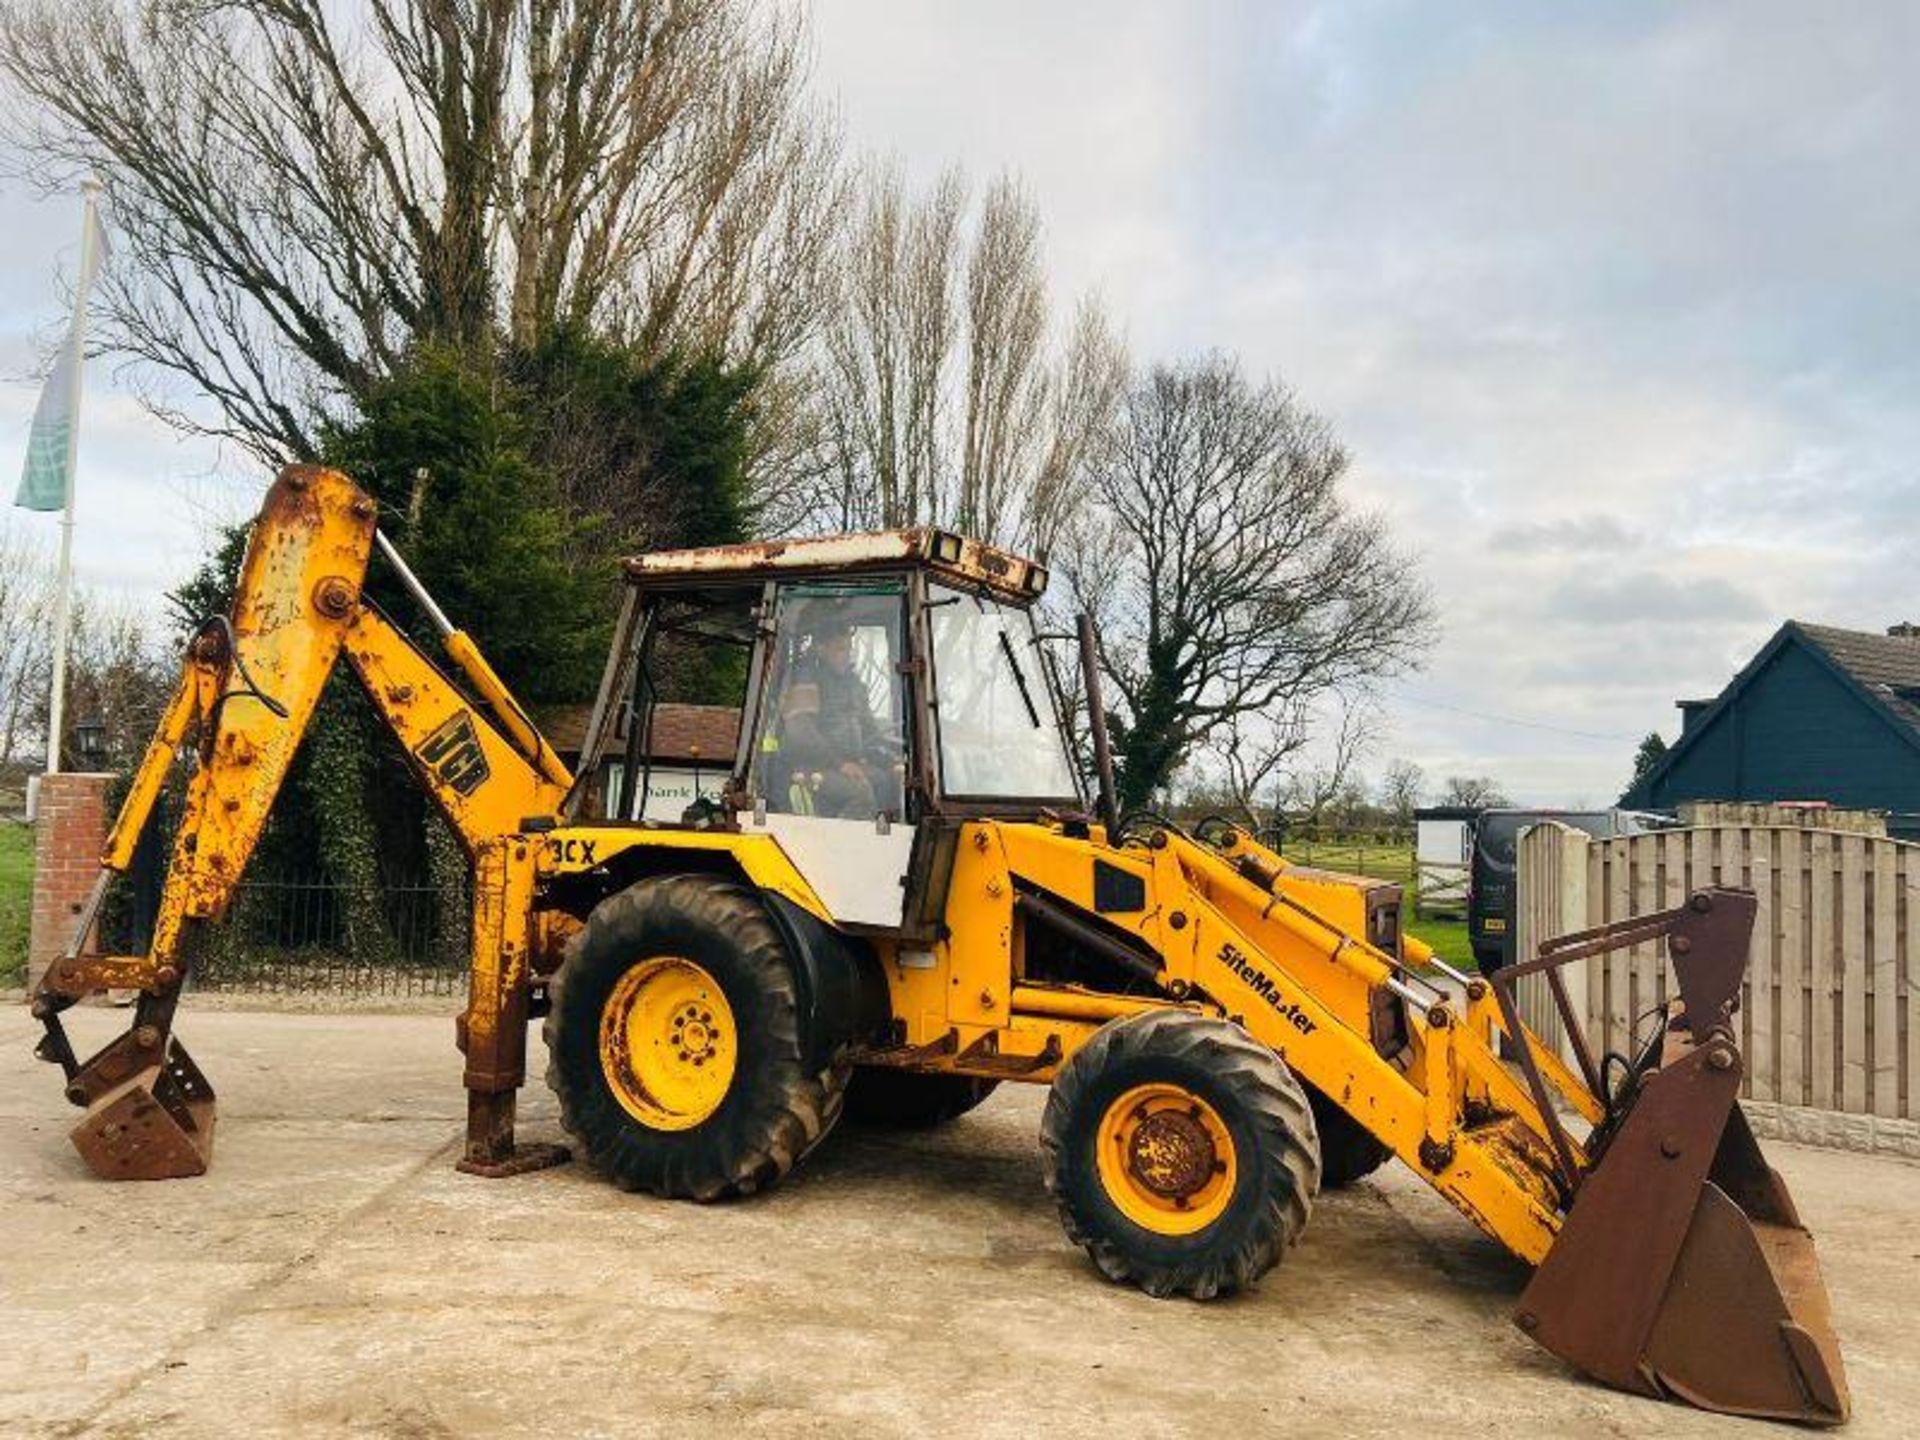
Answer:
(944, 553)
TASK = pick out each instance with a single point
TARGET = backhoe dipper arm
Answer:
(248, 691)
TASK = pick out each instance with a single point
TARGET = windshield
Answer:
(998, 732)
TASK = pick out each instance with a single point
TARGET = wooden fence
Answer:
(1826, 1013)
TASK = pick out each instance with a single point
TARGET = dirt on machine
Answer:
(902, 897)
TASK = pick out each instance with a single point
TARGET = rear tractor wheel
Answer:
(677, 1045)
(1181, 1152)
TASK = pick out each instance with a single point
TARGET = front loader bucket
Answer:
(1682, 1270)
(157, 1124)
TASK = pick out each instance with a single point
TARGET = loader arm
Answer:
(1669, 1257)
(246, 698)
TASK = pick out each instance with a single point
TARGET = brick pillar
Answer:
(70, 829)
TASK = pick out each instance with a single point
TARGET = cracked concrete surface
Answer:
(335, 1275)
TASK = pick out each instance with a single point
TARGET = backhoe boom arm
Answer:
(248, 691)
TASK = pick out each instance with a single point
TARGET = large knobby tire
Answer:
(1348, 1151)
(676, 1044)
(1181, 1152)
(907, 1100)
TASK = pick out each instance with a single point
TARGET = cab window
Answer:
(832, 724)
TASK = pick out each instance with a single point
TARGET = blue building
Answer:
(1818, 715)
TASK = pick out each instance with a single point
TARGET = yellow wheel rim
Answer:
(1166, 1159)
(668, 1043)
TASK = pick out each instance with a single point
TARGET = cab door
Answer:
(827, 764)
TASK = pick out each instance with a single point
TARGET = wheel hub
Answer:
(1171, 1154)
(693, 1034)
(1166, 1158)
(668, 1043)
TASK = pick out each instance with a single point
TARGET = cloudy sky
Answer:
(1618, 308)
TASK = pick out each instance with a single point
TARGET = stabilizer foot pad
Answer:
(523, 1159)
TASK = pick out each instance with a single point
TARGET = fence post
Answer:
(1550, 878)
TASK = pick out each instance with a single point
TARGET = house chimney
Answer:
(1905, 630)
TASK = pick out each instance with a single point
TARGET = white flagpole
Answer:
(63, 592)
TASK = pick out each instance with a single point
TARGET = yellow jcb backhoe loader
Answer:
(901, 899)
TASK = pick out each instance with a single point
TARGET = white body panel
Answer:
(856, 871)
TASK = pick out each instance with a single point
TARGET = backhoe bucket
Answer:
(157, 1124)
(1682, 1270)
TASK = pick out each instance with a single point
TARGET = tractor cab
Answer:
(887, 685)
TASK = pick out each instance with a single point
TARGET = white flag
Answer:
(49, 468)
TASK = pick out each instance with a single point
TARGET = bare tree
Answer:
(894, 323)
(1477, 792)
(26, 608)
(1329, 787)
(1088, 381)
(1228, 575)
(1401, 789)
(1254, 755)
(118, 674)
(942, 394)
(117, 678)
(298, 195)
(1005, 376)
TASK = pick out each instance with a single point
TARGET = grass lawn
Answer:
(1448, 939)
(16, 891)
(1381, 860)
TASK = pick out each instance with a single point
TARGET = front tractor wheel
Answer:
(1181, 1153)
(676, 1043)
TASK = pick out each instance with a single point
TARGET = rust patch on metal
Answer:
(1171, 1154)
(940, 551)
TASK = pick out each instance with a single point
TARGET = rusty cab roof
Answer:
(942, 553)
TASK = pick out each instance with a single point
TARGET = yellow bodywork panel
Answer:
(481, 782)
(581, 849)
(1244, 936)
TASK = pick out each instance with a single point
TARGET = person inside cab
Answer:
(839, 757)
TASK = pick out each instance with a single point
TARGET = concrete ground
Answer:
(335, 1275)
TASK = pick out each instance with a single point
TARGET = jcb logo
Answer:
(1262, 985)
(452, 754)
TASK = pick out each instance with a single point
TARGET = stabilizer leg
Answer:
(493, 1031)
